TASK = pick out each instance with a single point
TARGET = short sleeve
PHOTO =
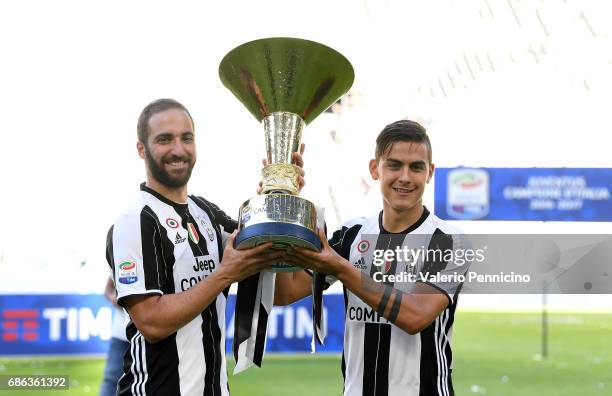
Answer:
(135, 255)
(341, 241)
(441, 270)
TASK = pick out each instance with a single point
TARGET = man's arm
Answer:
(412, 312)
(157, 317)
(290, 287)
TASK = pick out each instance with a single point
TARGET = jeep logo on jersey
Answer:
(127, 272)
(204, 263)
(363, 246)
(203, 266)
(172, 223)
(193, 233)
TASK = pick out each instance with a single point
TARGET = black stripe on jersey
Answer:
(429, 365)
(439, 241)
(161, 366)
(376, 348)
(211, 341)
(156, 248)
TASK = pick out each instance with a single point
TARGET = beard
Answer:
(162, 176)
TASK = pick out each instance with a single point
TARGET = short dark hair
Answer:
(157, 106)
(401, 131)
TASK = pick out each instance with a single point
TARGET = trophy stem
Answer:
(283, 133)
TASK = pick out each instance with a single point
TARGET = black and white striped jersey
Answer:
(161, 247)
(379, 358)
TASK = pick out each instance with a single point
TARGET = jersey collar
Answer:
(179, 206)
(413, 227)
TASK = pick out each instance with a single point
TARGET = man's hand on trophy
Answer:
(296, 159)
(237, 265)
(327, 261)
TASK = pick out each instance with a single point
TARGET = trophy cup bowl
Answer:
(285, 83)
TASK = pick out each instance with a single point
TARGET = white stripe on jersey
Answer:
(441, 356)
(189, 340)
(136, 348)
(214, 344)
(133, 367)
(143, 364)
(445, 338)
(223, 377)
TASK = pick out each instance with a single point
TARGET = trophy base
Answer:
(282, 235)
(283, 219)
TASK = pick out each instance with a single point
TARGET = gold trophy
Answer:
(285, 83)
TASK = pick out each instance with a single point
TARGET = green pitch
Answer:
(495, 354)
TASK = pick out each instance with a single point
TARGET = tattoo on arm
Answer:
(395, 308)
(370, 286)
(382, 305)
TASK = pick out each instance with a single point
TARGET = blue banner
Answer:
(54, 324)
(290, 327)
(534, 194)
(66, 324)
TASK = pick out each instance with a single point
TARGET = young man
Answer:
(173, 261)
(397, 334)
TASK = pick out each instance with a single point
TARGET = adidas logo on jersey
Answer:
(178, 239)
(360, 264)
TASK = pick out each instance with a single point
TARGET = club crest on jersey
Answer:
(388, 264)
(127, 272)
(363, 246)
(172, 223)
(210, 232)
(193, 233)
(179, 239)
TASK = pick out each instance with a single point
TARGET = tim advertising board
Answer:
(64, 324)
(536, 194)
